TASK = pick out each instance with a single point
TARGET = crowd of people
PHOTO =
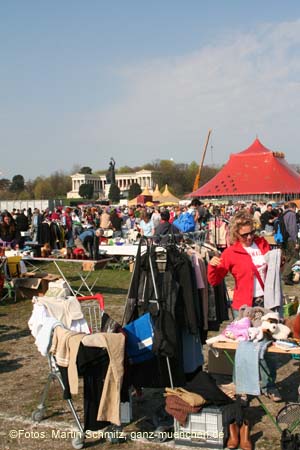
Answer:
(72, 228)
(67, 227)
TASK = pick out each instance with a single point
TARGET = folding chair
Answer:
(12, 273)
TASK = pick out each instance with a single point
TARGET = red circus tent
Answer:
(252, 172)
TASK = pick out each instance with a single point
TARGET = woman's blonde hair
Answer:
(239, 220)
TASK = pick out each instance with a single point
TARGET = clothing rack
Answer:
(149, 242)
(133, 302)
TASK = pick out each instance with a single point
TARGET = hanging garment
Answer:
(174, 303)
(64, 348)
(92, 364)
(63, 309)
(246, 367)
(109, 408)
(55, 235)
(273, 296)
(191, 352)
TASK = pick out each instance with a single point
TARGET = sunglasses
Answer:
(245, 235)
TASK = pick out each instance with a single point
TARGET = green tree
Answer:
(114, 193)
(180, 177)
(61, 183)
(208, 173)
(43, 189)
(125, 169)
(30, 184)
(134, 191)
(4, 184)
(17, 184)
(7, 195)
(24, 195)
(85, 169)
(86, 190)
(55, 186)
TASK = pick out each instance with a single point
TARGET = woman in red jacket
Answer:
(244, 260)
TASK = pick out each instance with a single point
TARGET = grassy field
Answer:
(23, 372)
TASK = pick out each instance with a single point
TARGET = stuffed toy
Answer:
(244, 311)
(238, 330)
(270, 327)
(254, 313)
(267, 328)
(271, 316)
(257, 314)
(235, 331)
(282, 332)
(255, 334)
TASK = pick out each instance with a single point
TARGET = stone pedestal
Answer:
(106, 190)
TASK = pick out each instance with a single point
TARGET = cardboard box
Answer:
(220, 364)
(88, 266)
(31, 285)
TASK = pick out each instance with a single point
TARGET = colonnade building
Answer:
(123, 181)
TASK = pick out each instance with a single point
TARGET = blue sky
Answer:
(81, 81)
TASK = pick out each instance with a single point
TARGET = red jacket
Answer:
(238, 262)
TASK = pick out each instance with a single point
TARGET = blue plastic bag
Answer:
(185, 222)
(139, 339)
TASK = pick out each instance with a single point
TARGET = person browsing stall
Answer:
(9, 233)
(146, 225)
(245, 261)
(290, 246)
(165, 228)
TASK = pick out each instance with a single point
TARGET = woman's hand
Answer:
(215, 261)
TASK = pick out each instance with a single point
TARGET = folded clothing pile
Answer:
(180, 403)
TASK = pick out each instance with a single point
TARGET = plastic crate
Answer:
(126, 412)
(203, 429)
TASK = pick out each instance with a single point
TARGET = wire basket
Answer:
(92, 308)
(289, 415)
(93, 315)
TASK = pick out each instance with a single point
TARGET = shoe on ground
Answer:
(289, 283)
(274, 395)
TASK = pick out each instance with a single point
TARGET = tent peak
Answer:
(256, 147)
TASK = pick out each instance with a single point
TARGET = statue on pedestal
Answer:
(110, 175)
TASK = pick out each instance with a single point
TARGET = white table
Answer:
(121, 250)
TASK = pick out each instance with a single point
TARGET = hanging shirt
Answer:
(261, 265)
